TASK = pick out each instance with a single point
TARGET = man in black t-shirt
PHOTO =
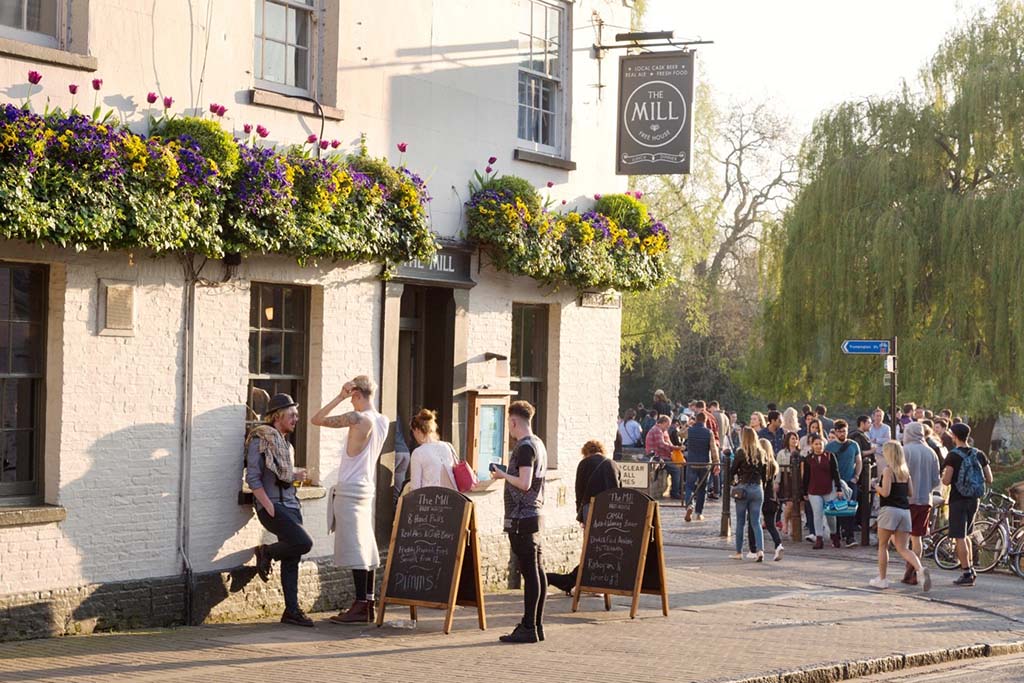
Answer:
(524, 502)
(962, 509)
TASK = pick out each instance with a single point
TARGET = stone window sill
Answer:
(544, 160)
(302, 493)
(41, 514)
(268, 98)
(47, 55)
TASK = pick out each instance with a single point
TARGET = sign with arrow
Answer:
(867, 347)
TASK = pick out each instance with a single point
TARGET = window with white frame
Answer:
(543, 50)
(40, 22)
(284, 47)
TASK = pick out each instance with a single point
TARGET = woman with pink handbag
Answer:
(433, 462)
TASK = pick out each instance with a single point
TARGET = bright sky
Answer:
(808, 55)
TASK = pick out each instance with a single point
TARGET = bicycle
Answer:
(991, 538)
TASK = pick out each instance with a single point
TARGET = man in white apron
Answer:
(352, 500)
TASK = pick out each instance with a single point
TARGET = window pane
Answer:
(16, 456)
(41, 17)
(298, 28)
(515, 364)
(554, 19)
(294, 353)
(5, 347)
(524, 131)
(537, 61)
(270, 362)
(5, 293)
(27, 284)
(547, 102)
(289, 74)
(301, 71)
(16, 403)
(254, 353)
(524, 88)
(254, 307)
(258, 6)
(274, 62)
(10, 13)
(275, 22)
(271, 299)
(26, 348)
(294, 308)
(538, 20)
(547, 129)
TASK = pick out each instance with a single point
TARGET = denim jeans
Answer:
(535, 583)
(675, 473)
(693, 476)
(749, 506)
(292, 543)
(820, 519)
(769, 511)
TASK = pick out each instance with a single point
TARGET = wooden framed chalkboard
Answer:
(433, 558)
(622, 549)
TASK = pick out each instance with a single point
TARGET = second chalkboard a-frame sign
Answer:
(622, 549)
(434, 557)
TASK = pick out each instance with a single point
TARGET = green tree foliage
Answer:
(909, 222)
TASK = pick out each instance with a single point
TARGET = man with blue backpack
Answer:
(967, 473)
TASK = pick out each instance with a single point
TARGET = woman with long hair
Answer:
(821, 482)
(788, 460)
(757, 423)
(814, 426)
(894, 492)
(748, 491)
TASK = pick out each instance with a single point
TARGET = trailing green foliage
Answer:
(911, 223)
(85, 183)
(589, 250)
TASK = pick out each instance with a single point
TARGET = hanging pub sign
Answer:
(655, 113)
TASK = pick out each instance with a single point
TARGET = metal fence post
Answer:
(866, 473)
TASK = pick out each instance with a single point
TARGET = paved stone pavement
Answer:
(729, 619)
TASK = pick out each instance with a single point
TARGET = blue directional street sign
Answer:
(867, 347)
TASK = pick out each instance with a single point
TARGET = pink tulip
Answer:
(597, 197)
(73, 88)
(492, 160)
(152, 97)
(247, 128)
(262, 131)
(97, 83)
(335, 144)
(324, 144)
(311, 139)
(550, 184)
(402, 146)
(168, 101)
(488, 169)
(34, 77)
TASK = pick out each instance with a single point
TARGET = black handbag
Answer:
(738, 493)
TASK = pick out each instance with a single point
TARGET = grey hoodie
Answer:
(922, 463)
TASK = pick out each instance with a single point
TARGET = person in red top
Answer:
(658, 443)
(711, 423)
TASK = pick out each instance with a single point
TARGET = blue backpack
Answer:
(970, 480)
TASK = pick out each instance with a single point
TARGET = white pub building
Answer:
(125, 392)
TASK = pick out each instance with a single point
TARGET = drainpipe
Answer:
(185, 441)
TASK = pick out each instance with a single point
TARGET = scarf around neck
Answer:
(276, 451)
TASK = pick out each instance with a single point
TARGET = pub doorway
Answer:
(426, 351)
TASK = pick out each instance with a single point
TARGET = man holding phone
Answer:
(524, 501)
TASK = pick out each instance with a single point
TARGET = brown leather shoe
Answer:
(361, 612)
(909, 576)
(689, 514)
(819, 543)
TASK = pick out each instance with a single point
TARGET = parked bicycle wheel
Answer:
(944, 549)
(1016, 552)
(990, 542)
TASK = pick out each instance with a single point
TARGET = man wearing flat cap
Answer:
(270, 473)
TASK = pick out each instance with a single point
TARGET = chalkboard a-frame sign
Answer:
(433, 558)
(622, 549)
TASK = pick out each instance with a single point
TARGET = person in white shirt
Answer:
(433, 460)
(630, 431)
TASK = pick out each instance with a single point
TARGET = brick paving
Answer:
(729, 619)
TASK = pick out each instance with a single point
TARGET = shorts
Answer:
(961, 517)
(894, 519)
(920, 517)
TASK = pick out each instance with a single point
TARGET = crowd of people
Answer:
(782, 464)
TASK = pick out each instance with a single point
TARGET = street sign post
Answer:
(867, 347)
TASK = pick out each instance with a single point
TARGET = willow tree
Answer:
(910, 222)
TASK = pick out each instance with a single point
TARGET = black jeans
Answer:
(848, 525)
(535, 582)
(292, 543)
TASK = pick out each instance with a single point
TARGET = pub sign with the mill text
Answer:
(655, 113)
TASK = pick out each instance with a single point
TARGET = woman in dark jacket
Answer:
(749, 475)
(821, 485)
(595, 474)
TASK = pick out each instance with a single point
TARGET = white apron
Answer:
(355, 543)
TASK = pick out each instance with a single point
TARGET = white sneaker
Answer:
(810, 537)
(700, 518)
(778, 553)
(737, 556)
(751, 556)
(879, 583)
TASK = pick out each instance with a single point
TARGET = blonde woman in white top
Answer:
(790, 420)
(432, 461)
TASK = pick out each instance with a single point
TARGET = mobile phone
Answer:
(497, 466)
